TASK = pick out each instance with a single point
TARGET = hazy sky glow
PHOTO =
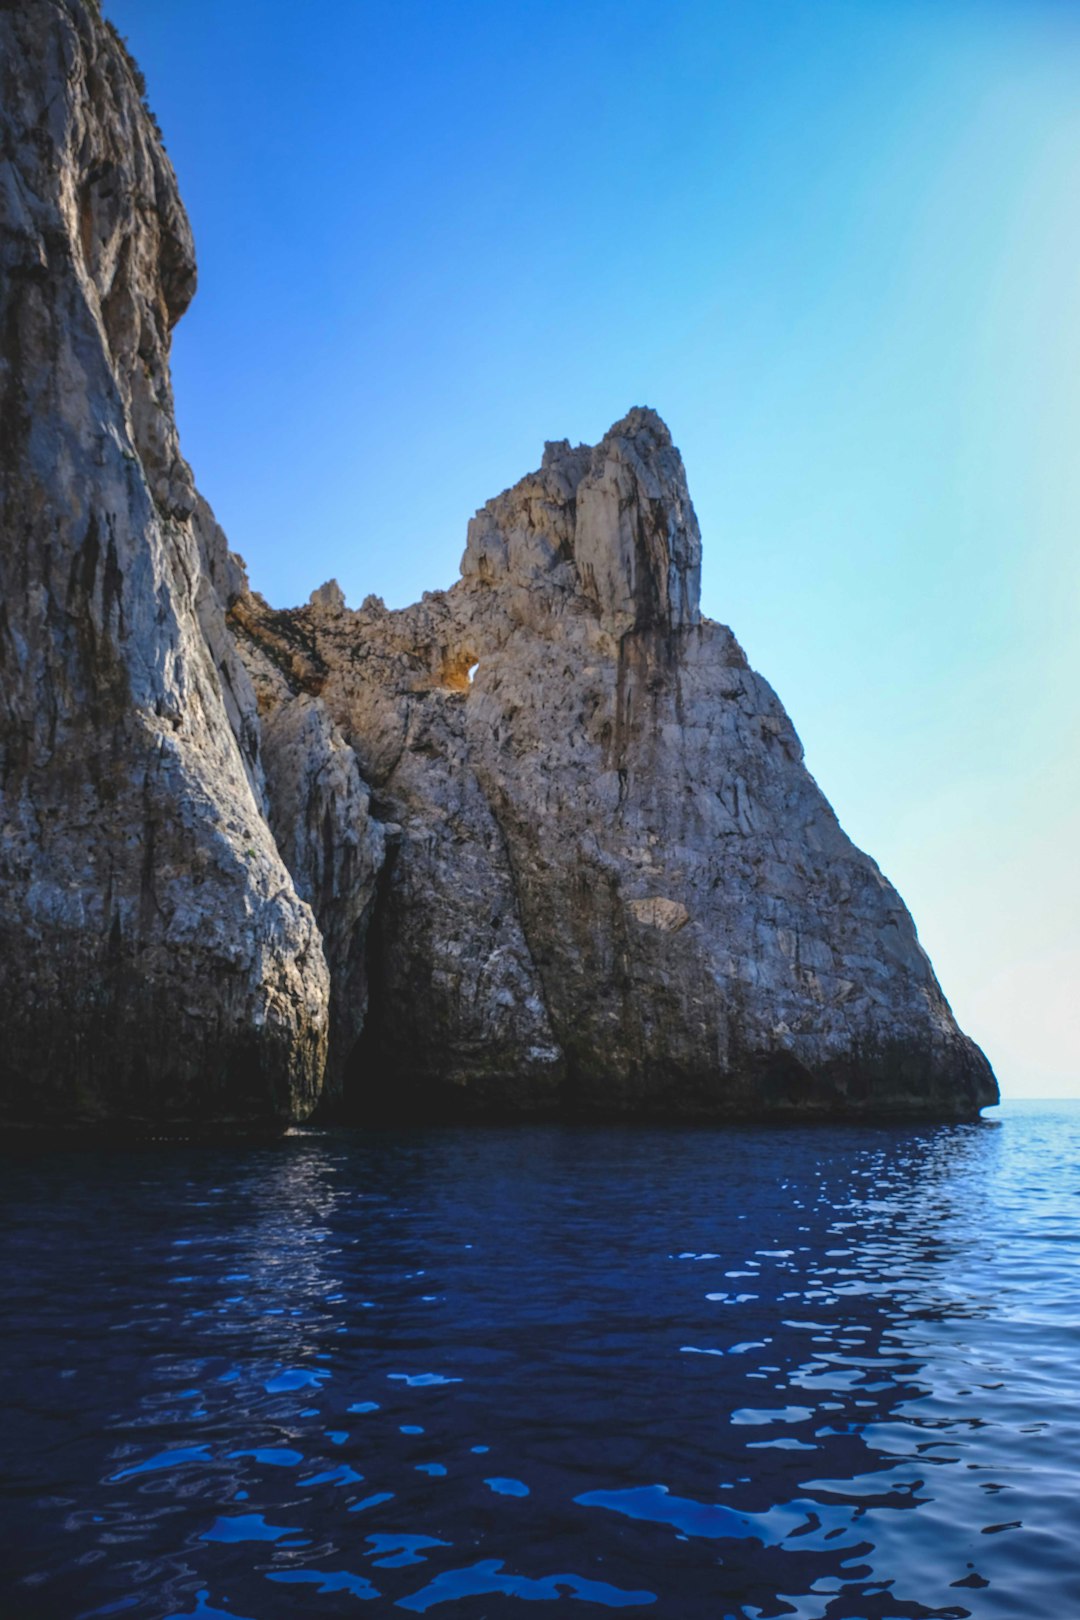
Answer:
(836, 245)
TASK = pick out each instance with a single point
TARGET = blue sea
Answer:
(825, 1372)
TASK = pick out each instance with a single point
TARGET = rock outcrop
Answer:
(540, 843)
(616, 888)
(156, 963)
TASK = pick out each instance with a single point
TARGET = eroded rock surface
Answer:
(457, 1005)
(616, 887)
(156, 963)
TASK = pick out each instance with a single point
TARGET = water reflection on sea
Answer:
(829, 1372)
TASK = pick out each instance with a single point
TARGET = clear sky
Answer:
(836, 243)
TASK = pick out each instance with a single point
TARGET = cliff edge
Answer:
(156, 964)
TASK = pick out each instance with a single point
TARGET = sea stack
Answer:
(540, 844)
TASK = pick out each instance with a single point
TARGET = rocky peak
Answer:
(612, 524)
(637, 544)
(329, 598)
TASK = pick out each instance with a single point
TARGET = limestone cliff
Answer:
(615, 887)
(539, 843)
(156, 963)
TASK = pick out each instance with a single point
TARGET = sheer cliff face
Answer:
(156, 963)
(543, 841)
(614, 885)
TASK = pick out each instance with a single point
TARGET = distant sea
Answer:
(826, 1372)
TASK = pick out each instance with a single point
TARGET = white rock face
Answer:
(156, 963)
(616, 886)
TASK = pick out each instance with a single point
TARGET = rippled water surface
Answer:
(828, 1372)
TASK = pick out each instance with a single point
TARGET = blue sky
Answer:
(836, 244)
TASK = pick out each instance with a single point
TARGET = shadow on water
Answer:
(822, 1372)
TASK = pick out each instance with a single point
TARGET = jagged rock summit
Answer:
(540, 843)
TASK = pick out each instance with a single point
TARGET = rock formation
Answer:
(542, 842)
(156, 964)
(613, 886)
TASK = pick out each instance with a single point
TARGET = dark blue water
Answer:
(828, 1372)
